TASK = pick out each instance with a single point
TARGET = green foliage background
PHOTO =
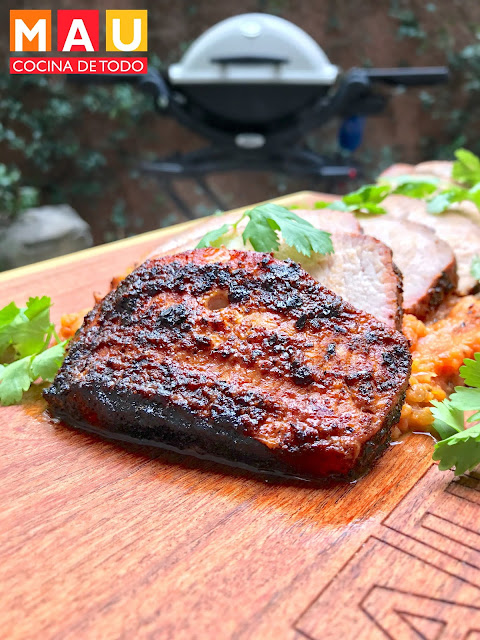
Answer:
(80, 145)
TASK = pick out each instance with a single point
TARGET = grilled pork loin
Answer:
(331, 220)
(361, 271)
(427, 263)
(236, 355)
(437, 168)
(454, 227)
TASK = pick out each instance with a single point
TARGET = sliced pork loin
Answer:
(437, 168)
(361, 271)
(331, 220)
(454, 227)
(427, 263)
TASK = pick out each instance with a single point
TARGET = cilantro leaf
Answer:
(475, 267)
(27, 330)
(296, 232)
(213, 238)
(369, 193)
(473, 194)
(336, 205)
(466, 399)
(46, 364)
(18, 376)
(370, 207)
(448, 419)
(25, 333)
(416, 189)
(459, 447)
(470, 371)
(461, 451)
(7, 316)
(15, 378)
(265, 225)
(444, 200)
(364, 200)
(410, 181)
(260, 232)
(466, 169)
(29, 334)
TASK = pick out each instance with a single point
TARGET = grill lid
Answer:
(254, 48)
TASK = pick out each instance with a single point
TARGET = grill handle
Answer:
(250, 60)
(409, 76)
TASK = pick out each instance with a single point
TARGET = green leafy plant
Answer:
(265, 223)
(458, 446)
(70, 141)
(25, 352)
(409, 26)
(14, 197)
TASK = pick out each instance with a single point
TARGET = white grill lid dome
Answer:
(229, 52)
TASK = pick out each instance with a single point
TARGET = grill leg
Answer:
(211, 194)
(177, 200)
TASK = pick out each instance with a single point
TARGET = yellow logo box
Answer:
(126, 30)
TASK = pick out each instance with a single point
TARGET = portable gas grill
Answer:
(255, 85)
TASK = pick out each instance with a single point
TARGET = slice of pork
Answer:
(454, 227)
(427, 263)
(437, 168)
(331, 220)
(361, 271)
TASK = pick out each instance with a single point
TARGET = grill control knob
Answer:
(249, 140)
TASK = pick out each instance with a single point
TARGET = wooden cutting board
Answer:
(98, 542)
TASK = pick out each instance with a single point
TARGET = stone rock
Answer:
(42, 233)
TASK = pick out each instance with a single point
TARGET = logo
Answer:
(78, 31)
(30, 30)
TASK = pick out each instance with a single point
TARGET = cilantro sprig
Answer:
(466, 168)
(25, 351)
(458, 446)
(266, 223)
(364, 200)
(368, 199)
(466, 172)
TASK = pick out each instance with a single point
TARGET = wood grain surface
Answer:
(100, 541)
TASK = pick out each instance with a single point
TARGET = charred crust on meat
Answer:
(287, 376)
(441, 288)
(331, 350)
(399, 290)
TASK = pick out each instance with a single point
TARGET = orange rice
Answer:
(438, 350)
